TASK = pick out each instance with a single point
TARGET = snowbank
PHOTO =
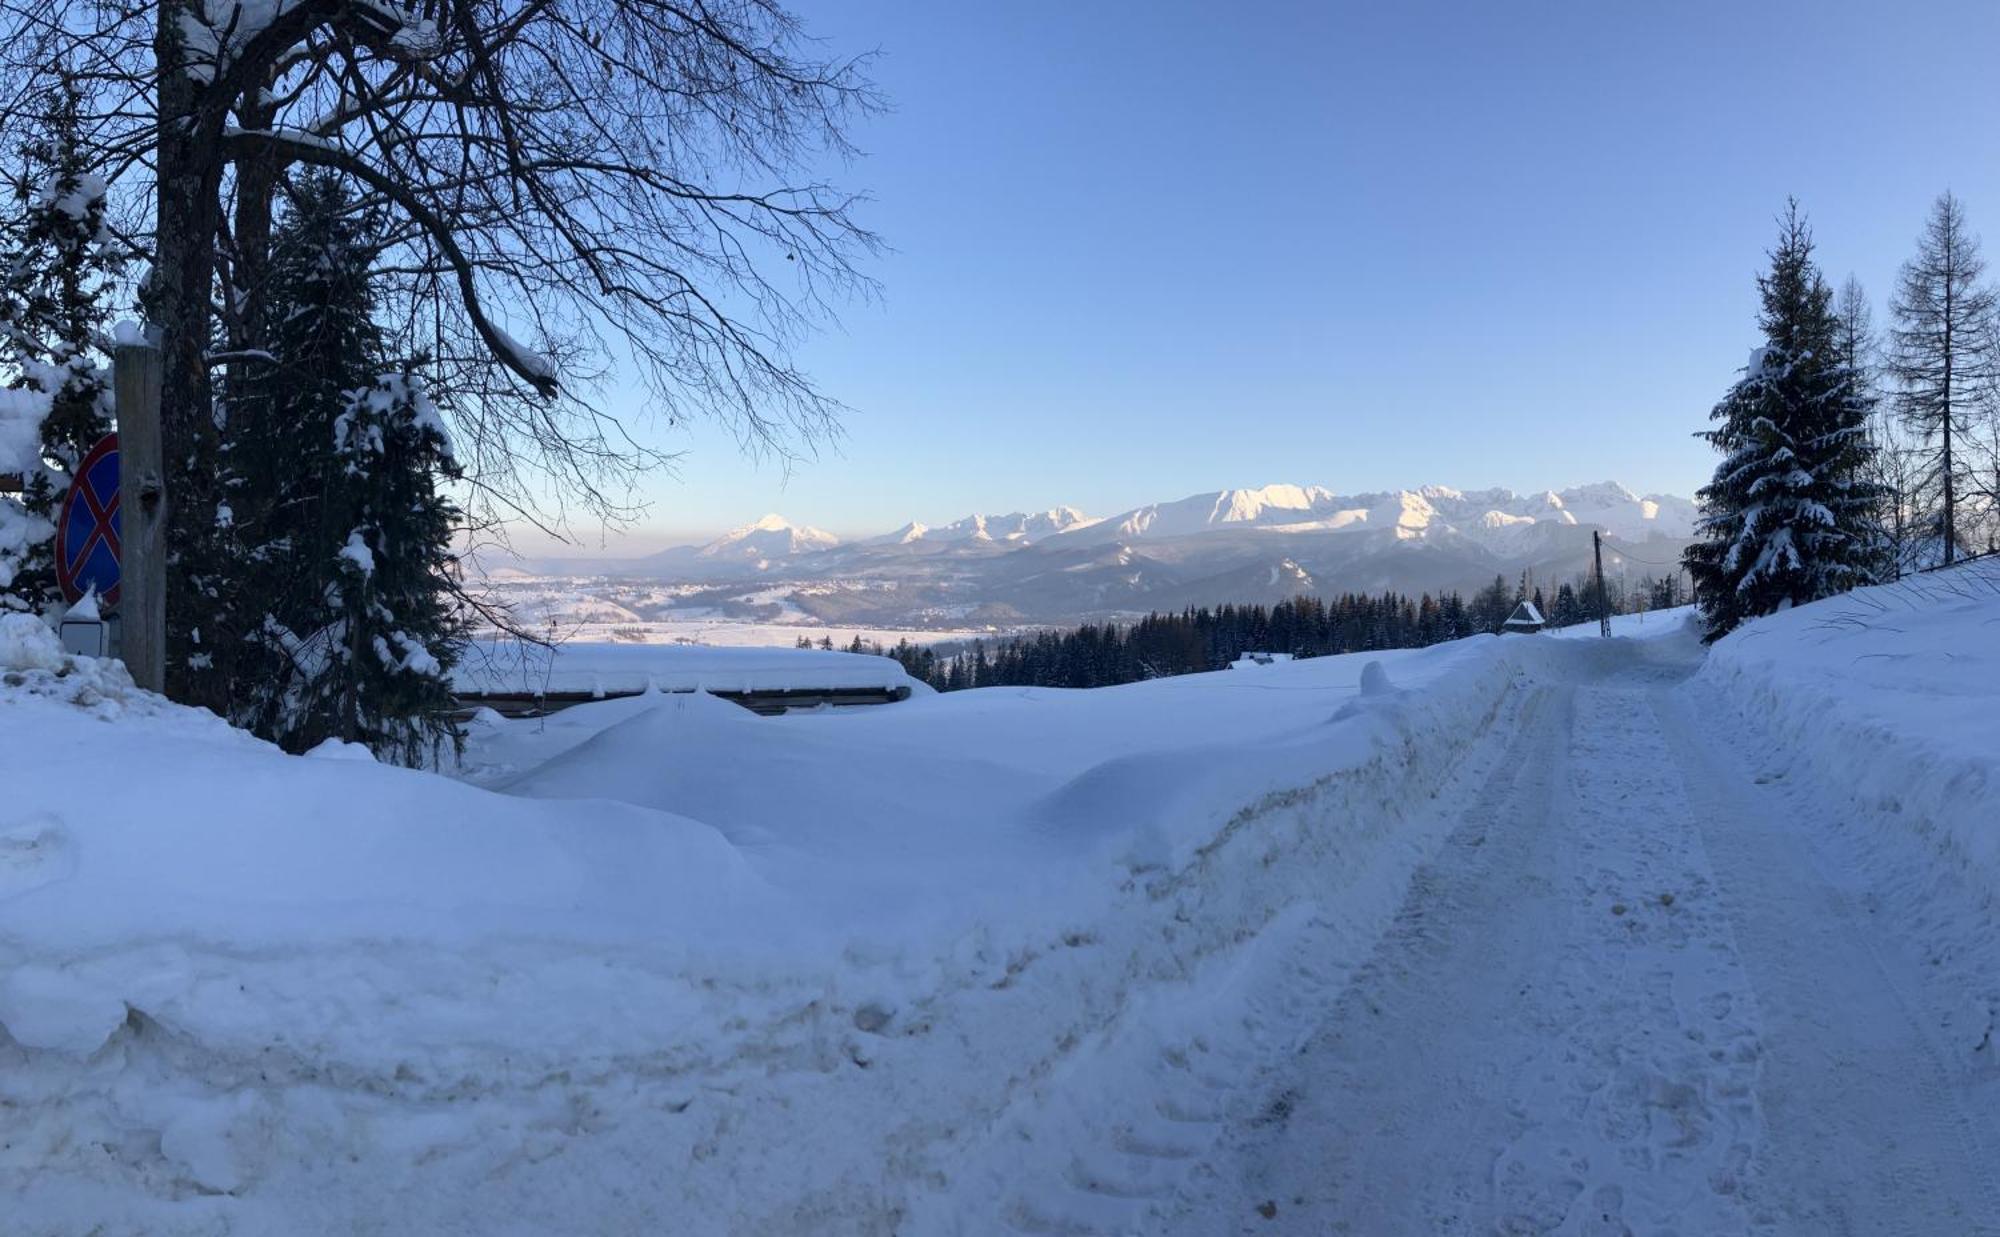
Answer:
(1647, 625)
(1891, 697)
(500, 667)
(659, 964)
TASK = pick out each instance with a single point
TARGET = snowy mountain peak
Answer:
(770, 537)
(1600, 492)
(1015, 528)
(1265, 505)
(1245, 506)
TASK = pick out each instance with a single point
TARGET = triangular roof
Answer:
(1526, 615)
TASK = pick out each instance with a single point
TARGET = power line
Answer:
(1645, 561)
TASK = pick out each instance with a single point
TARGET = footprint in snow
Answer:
(33, 853)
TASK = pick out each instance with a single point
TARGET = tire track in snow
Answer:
(1107, 1143)
(1869, 1134)
(1555, 1038)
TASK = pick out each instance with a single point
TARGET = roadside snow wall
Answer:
(759, 986)
(1888, 697)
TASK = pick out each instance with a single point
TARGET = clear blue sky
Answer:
(1146, 249)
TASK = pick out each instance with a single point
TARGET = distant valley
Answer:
(767, 581)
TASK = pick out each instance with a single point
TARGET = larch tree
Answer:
(1891, 462)
(1942, 356)
(567, 186)
(1985, 475)
(1789, 516)
(1855, 342)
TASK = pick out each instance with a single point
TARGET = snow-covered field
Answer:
(507, 666)
(1552, 932)
(601, 610)
(730, 633)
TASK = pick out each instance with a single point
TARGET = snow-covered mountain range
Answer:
(1411, 513)
(1285, 508)
(1244, 545)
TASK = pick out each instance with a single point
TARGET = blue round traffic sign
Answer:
(87, 530)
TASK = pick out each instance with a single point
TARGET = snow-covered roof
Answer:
(1259, 658)
(1525, 615)
(505, 667)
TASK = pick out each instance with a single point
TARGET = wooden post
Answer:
(142, 516)
(1603, 597)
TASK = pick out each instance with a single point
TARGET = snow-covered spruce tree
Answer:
(347, 536)
(58, 266)
(394, 592)
(1790, 514)
(1942, 355)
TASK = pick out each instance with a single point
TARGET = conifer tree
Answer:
(58, 266)
(393, 591)
(1942, 354)
(346, 534)
(1567, 610)
(1492, 605)
(1790, 514)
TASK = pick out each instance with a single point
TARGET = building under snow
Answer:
(1525, 621)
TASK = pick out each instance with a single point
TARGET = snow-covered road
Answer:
(1549, 935)
(1646, 986)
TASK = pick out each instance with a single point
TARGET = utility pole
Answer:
(1603, 599)
(142, 488)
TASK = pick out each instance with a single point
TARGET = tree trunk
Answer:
(256, 181)
(177, 301)
(1950, 523)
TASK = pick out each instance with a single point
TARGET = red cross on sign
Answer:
(87, 549)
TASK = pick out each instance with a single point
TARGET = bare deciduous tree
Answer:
(1942, 358)
(1985, 475)
(575, 185)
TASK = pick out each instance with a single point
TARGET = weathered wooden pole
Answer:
(142, 516)
(1603, 598)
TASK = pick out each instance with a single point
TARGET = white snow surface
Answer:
(19, 530)
(509, 667)
(22, 411)
(356, 551)
(1376, 942)
(524, 358)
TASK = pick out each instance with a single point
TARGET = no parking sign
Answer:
(87, 547)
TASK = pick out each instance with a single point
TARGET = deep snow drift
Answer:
(292, 994)
(658, 964)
